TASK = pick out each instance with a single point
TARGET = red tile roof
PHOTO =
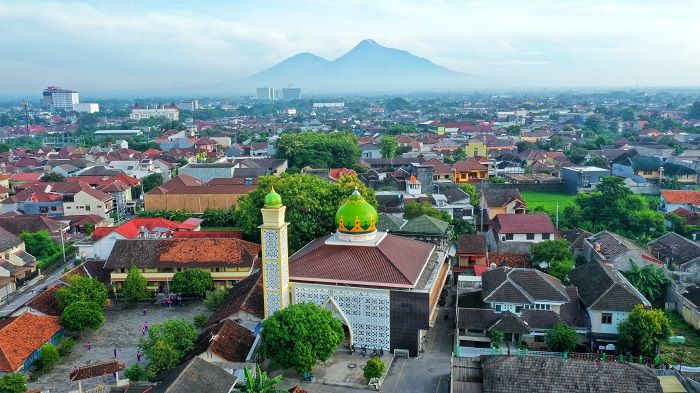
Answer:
(335, 173)
(470, 164)
(509, 259)
(46, 302)
(23, 335)
(130, 229)
(26, 176)
(439, 167)
(523, 223)
(97, 370)
(395, 262)
(681, 196)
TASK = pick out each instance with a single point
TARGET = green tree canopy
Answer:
(151, 181)
(39, 243)
(414, 209)
(319, 150)
(177, 333)
(513, 130)
(192, 283)
(48, 357)
(135, 373)
(53, 177)
(598, 161)
(311, 205)
(134, 287)
(81, 315)
(13, 383)
(643, 330)
(474, 194)
(261, 382)
(299, 336)
(388, 146)
(649, 280)
(694, 112)
(561, 338)
(374, 368)
(161, 357)
(81, 288)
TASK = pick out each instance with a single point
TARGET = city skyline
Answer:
(178, 47)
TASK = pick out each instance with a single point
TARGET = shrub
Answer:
(66, 347)
(13, 383)
(192, 283)
(215, 298)
(200, 321)
(135, 373)
(374, 368)
(48, 357)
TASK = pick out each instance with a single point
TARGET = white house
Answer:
(676, 199)
(516, 232)
(88, 201)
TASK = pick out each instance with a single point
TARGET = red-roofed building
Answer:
(335, 173)
(22, 337)
(677, 199)
(469, 171)
(17, 179)
(507, 230)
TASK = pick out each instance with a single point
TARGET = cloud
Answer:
(128, 44)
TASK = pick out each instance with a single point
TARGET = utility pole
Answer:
(557, 214)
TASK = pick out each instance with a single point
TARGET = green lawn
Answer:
(548, 200)
(688, 354)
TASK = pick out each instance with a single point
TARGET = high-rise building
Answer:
(189, 105)
(291, 93)
(56, 98)
(264, 93)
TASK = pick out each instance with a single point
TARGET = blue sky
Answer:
(119, 45)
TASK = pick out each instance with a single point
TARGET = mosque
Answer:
(383, 287)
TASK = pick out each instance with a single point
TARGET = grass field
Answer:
(548, 200)
(688, 354)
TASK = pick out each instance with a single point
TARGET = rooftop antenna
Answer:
(26, 115)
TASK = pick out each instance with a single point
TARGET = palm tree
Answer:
(261, 382)
(648, 280)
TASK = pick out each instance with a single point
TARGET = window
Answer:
(530, 236)
(646, 173)
(606, 318)
(498, 308)
(87, 208)
(68, 207)
(53, 208)
(518, 309)
(179, 269)
(509, 236)
(545, 236)
(475, 330)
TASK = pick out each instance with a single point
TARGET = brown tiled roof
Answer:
(439, 167)
(521, 286)
(471, 243)
(572, 313)
(510, 323)
(97, 370)
(470, 164)
(676, 247)
(527, 374)
(246, 295)
(46, 302)
(23, 335)
(232, 342)
(509, 259)
(575, 236)
(681, 197)
(30, 223)
(523, 223)
(395, 262)
(600, 287)
(182, 252)
(496, 197)
(540, 319)
(8, 240)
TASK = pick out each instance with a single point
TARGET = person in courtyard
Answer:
(89, 346)
(115, 353)
(138, 356)
(145, 312)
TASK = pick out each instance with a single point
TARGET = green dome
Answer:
(356, 216)
(273, 199)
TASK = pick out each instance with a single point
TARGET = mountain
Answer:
(367, 68)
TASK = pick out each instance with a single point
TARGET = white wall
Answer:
(597, 327)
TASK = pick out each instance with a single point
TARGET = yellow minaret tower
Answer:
(275, 263)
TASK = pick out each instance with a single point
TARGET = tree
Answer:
(374, 368)
(53, 177)
(513, 130)
(135, 373)
(643, 330)
(39, 244)
(299, 336)
(81, 288)
(261, 382)
(576, 154)
(48, 357)
(219, 217)
(134, 287)
(89, 228)
(319, 150)
(459, 155)
(649, 280)
(670, 184)
(694, 112)
(192, 283)
(161, 357)
(598, 161)
(474, 195)
(176, 333)
(496, 337)
(594, 124)
(561, 338)
(414, 209)
(311, 205)
(13, 383)
(215, 298)
(388, 146)
(552, 250)
(151, 181)
(81, 315)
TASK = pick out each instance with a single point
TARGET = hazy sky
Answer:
(118, 45)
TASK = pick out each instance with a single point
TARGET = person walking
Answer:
(115, 353)
(138, 356)
(145, 312)
(89, 346)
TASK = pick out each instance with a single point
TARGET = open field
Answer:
(548, 200)
(688, 354)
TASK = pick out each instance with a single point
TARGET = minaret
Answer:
(275, 263)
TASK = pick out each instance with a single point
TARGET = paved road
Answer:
(29, 291)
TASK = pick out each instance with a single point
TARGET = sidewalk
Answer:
(37, 285)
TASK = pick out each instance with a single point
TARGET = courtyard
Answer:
(121, 330)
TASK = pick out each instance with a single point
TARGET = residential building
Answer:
(608, 298)
(476, 148)
(197, 375)
(501, 201)
(427, 229)
(118, 133)
(672, 200)
(189, 105)
(441, 173)
(582, 179)
(195, 197)
(472, 254)
(228, 260)
(15, 262)
(55, 98)
(291, 93)
(674, 250)
(89, 201)
(576, 237)
(205, 172)
(647, 167)
(22, 339)
(370, 150)
(171, 112)
(516, 232)
(618, 251)
(469, 171)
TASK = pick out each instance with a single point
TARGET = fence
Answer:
(469, 352)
